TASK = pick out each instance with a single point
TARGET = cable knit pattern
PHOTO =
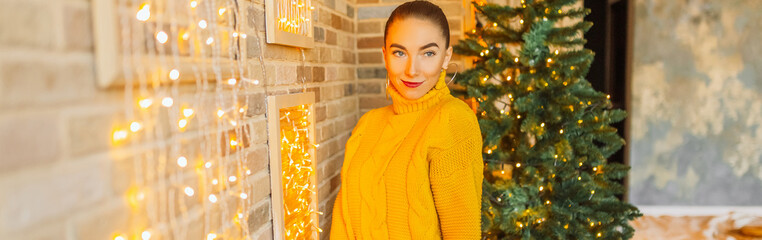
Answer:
(412, 170)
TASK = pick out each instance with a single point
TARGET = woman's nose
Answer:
(411, 68)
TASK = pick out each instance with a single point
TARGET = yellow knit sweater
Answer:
(409, 179)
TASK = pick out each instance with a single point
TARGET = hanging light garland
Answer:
(183, 174)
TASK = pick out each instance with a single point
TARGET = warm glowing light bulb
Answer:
(211, 236)
(208, 165)
(550, 60)
(209, 41)
(120, 135)
(146, 235)
(248, 172)
(561, 131)
(174, 74)
(145, 103)
(518, 164)
(521, 21)
(516, 59)
(120, 237)
(167, 102)
(243, 35)
(182, 161)
(556, 52)
(193, 4)
(221, 11)
(162, 37)
(541, 188)
(144, 13)
(244, 196)
(182, 123)
(220, 113)
(189, 191)
(233, 142)
(186, 36)
(188, 112)
(135, 126)
(202, 24)
(232, 178)
(543, 125)
(215, 181)
(212, 198)
(232, 81)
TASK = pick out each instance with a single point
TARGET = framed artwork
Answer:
(289, 22)
(293, 174)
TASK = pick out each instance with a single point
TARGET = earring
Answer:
(456, 72)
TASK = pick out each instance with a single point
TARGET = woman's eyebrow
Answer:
(424, 46)
(429, 45)
(397, 46)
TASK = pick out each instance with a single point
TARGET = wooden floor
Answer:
(725, 227)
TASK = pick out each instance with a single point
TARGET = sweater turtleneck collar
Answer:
(403, 105)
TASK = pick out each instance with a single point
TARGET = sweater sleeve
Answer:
(338, 226)
(456, 177)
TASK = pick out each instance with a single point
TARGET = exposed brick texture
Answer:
(62, 176)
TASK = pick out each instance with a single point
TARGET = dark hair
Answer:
(423, 10)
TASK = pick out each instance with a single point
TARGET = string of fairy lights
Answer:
(186, 120)
(293, 16)
(298, 174)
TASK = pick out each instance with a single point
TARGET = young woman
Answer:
(413, 170)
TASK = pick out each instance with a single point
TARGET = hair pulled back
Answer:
(423, 10)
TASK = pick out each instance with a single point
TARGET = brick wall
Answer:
(371, 19)
(61, 177)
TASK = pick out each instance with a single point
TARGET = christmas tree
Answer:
(547, 133)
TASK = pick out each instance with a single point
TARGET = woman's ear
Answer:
(383, 56)
(448, 56)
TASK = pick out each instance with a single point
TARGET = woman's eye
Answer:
(429, 54)
(398, 53)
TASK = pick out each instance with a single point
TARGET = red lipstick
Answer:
(411, 84)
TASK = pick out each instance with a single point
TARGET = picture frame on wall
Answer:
(293, 166)
(289, 22)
